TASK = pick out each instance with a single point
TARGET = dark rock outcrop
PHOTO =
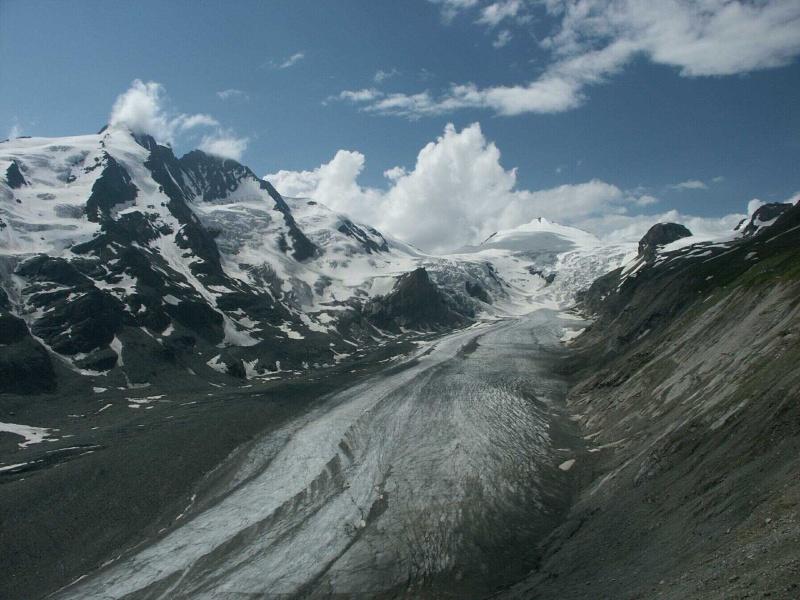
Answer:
(12, 329)
(81, 325)
(660, 234)
(548, 277)
(26, 368)
(763, 215)
(414, 303)
(477, 291)
(349, 228)
(200, 318)
(302, 247)
(212, 177)
(112, 188)
(14, 176)
(166, 171)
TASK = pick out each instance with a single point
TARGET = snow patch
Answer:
(31, 435)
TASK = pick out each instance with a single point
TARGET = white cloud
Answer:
(451, 8)
(363, 95)
(233, 93)
(381, 75)
(395, 173)
(333, 183)
(285, 63)
(594, 39)
(459, 193)
(646, 200)
(143, 109)
(690, 184)
(502, 38)
(292, 60)
(493, 14)
(224, 144)
(753, 206)
(184, 122)
(695, 184)
(545, 96)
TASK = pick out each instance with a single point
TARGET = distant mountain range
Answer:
(121, 264)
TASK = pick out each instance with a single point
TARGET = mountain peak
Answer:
(539, 234)
(661, 234)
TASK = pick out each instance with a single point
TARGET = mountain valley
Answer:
(210, 390)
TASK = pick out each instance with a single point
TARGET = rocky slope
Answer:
(688, 395)
(122, 264)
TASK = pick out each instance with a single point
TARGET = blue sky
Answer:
(569, 92)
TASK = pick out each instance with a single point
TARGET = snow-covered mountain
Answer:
(113, 252)
(546, 263)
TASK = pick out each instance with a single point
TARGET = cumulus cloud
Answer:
(459, 193)
(395, 173)
(224, 144)
(143, 108)
(594, 39)
(232, 94)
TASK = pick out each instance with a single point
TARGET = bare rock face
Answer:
(476, 290)
(762, 217)
(415, 303)
(661, 234)
(25, 366)
(14, 176)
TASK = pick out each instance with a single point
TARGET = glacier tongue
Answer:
(442, 466)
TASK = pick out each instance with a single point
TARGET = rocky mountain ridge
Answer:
(122, 265)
